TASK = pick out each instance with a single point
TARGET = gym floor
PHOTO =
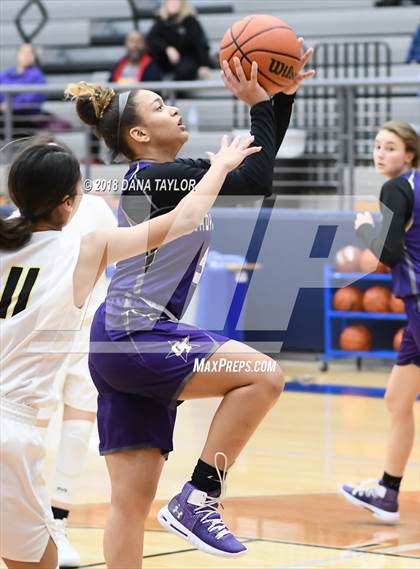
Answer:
(283, 495)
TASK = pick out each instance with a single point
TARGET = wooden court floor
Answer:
(283, 491)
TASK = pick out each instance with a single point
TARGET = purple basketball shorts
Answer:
(139, 377)
(409, 352)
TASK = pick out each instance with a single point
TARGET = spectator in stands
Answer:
(178, 41)
(413, 55)
(27, 113)
(137, 64)
(25, 72)
(387, 3)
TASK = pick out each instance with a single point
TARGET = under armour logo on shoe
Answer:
(178, 513)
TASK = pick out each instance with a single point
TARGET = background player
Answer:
(46, 277)
(138, 379)
(396, 156)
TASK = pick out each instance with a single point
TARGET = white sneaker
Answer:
(67, 555)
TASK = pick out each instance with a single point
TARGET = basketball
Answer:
(370, 264)
(347, 260)
(396, 342)
(349, 298)
(270, 42)
(396, 305)
(356, 338)
(377, 299)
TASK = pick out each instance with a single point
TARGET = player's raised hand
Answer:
(302, 76)
(247, 90)
(231, 154)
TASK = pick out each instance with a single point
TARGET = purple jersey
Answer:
(160, 283)
(140, 357)
(406, 273)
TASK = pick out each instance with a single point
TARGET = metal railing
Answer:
(333, 147)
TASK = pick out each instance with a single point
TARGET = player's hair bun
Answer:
(91, 100)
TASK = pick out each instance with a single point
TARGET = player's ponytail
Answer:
(40, 178)
(92, 101)
(110, 115)
(15, 232)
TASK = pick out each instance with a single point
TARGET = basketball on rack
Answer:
(396, 342)
(349, 298)
(270, 42)
(396, 305)
(377, 299)
(356, 338)
(347, 260)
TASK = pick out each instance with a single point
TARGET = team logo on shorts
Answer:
(181, 348)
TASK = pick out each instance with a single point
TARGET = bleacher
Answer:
(83, 40)
(79, 32)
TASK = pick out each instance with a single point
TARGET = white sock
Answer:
(72, 453)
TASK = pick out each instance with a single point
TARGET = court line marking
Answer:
(294, 386)
(182, 550)
(150, 556)
(144, 557)
(361, 546)
(162, 554)
(387, 552)
(335, 389)
(335, 547)
(407, 547)
(351, 554)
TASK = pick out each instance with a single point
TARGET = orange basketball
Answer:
(396, 342)
(347, 260)
(270, 42)
(348, 298)
(377, 299)
(356, 338)
(370, 264)
(397, 305)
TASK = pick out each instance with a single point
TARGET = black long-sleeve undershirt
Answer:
(397, 198)
(254, 177)
(269, 123)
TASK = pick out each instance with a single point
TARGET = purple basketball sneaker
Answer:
(194, 516)
(373, 496)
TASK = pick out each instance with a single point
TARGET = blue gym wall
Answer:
(289, 236)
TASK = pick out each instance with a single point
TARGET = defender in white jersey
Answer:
(45, 278)
(76, 390)
(31, 287)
